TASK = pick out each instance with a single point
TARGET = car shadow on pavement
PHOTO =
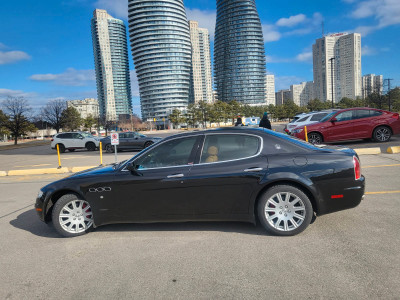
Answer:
(233, 227)
(29, 221)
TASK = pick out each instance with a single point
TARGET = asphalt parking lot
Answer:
(351, 254)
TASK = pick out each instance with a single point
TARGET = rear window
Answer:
(224, 147)
(303, 119)
(375, 113)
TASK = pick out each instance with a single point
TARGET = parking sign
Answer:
(114, 138)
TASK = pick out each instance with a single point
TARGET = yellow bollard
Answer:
(59, 158)
(305, 133)
(101, 154)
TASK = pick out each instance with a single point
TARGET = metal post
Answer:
(101, 154)
(331, 60)
(59, 158)
(305, 133)
(116, 158)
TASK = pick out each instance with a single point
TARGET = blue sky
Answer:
(46, 48)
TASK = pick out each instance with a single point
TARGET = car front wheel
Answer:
(284, 210)
(90, 146)
(382, 134)
(148, 144)
(72, 216)
(109, 148)
(315, 138)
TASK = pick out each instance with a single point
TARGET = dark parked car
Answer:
(235, 174)
(129, 141)
(352, 124)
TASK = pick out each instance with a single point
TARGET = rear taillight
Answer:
(52, 139)
(395, 116)
(357, 168)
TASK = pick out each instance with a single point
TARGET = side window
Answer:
(223, 147)
(345, 116)
(172, 153)
(317, 117)
(362, 113)
(302, 120)
(122, 136)
(61, 136)
(67, 136)
(375, 113)
(76, 135)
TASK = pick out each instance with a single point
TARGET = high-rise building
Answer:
(87, 107)
(111, 65)
(282, 96)
(372, 83)
(270, 89)
(239, 54)
(200, 75)
(161, 50)
(339, 54)
(302, 93)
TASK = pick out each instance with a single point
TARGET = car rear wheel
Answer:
(284, 210)
(381, 134)
(61, 147)
(90, 146)
(148, 144)
(72, 216)
(109, 148)
(315, 138)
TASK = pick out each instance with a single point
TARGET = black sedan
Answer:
(129, 141)
(236, 174)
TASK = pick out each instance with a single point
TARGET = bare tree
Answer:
(17, 110)
(52, 113)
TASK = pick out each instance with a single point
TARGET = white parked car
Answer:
(306, 119)
(74, 140)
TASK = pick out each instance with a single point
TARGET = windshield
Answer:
(327, 117)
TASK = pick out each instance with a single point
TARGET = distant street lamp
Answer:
(331, 60)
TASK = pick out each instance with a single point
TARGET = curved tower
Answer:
(239, 54)
(161, 50)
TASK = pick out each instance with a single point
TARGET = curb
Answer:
(364, 151)
(393, 150)
(37, 171)
(79, 169)
(3, 173)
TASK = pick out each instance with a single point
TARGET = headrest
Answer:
(212, 150)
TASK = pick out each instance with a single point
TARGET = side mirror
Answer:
(333, 120)
(133, 168)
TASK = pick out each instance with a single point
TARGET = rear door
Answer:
(342, 128)
(362, 123)
(228, 172)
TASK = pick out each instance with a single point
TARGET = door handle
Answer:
(253, 170)
(175, 176)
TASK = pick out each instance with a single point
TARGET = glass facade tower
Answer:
(112, 65)
(239, 54)
(161, 50)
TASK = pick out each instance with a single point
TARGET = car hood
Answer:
(94, 171)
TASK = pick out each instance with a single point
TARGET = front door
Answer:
(158, 190)
(342, 128)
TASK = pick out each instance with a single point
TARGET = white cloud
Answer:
(270, 33)
(291, 21)
(386, 12)
(309, 25)
(71, 77)
(284, 82)
(116, 8)
(4, 93)
(2, 46)
(9, 57)
(206, 19)
(271, 59)
(134, 84)
(368, 51)
(305, 56)
(364, 30)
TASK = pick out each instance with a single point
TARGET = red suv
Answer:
(352, 124)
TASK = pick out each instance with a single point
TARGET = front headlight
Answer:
(298, 130)
(40, 194)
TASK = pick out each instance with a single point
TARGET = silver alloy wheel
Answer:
(76, 216)
(285, 211)
(382, 134)
(314, 138)
(109, 148)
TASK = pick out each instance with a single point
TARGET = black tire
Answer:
(382, 134)
(284, 218)
(79, 227)
(90, 146)
(71, 150)
(61, 147)
(315, 138)
(148, 144)
(109, 148)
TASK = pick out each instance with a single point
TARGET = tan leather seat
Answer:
(212, 152)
